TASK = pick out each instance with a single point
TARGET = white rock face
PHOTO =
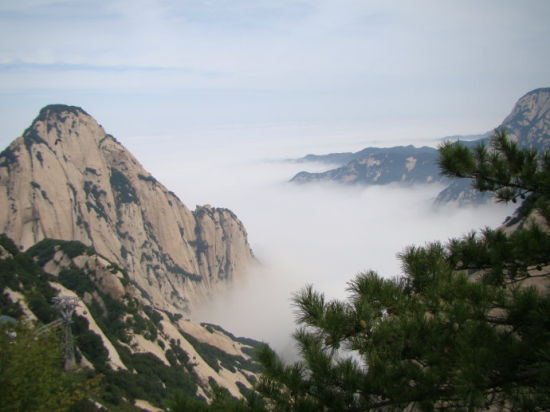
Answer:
(529, 121)
(411, 163)
(65, 178)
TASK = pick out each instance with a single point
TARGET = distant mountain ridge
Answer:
(406, 164)
(66, 178)
(345, 157)
(528, 124)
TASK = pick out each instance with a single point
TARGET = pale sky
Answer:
(273, 69)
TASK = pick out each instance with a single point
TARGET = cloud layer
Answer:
(312, 234)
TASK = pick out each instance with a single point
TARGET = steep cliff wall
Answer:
(529, 121)
(528, 124)
(65, 178)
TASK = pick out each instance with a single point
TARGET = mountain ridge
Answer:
(528, 124)
(144, 353)
(373, 165)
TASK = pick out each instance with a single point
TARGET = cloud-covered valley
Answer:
(317, 234)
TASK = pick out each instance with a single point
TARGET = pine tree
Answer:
(466, 327)
(31, 372)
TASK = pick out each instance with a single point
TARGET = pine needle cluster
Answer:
(466, 327)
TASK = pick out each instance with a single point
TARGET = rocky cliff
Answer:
(145, 353)
(528, 124)
(529, 121)
(379, 166)
(66, 178)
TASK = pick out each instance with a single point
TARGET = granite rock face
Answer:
(378, 166)
(529, 121)
(528, 124)
(66, 178)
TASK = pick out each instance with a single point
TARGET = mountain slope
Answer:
(65, 178)
(529, 121)
(528, 124)
(144, 353)
(379, 166)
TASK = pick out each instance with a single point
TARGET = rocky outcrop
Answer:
(459, 192)
(65, 178)
(528, 124)
(529, 121)
(378, 166)
(143, 351)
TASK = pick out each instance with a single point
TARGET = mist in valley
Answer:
(320, 234)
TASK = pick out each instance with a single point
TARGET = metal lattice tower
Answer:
(67, 306)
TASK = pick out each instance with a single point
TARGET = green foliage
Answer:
(147, 178)
(179, 402)
(8, 244)
(31, 372)
(502, 259)
(124, 191)
(74, 279)
(57, 111)
(9, 308)
(507, 170)
(459, 330)
(40, 305)
(212, 328)
(89, 343)
(152, 380)
(8, 157)
(216, 358)
(20, 273)
(93, 202)
(200, 245)
(147, 378)
(31, 137)
(222, 401)
(45, 250)
(428, 339)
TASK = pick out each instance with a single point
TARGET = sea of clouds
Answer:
(320, 234)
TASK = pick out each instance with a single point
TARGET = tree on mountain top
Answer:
(466, 327)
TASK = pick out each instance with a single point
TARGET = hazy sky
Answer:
(273, 69)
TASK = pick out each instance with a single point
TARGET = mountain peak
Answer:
(62, 124)
(529, 121)
(65, 178)
(58, 110)
(537, 91)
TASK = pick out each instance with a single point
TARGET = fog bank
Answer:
(320, 234)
